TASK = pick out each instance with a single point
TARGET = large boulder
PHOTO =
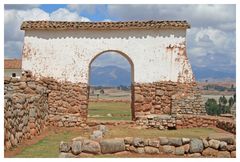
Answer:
(175, 141)
(179, 150)
(214, 143)
(97, 135)
(210, 152)
(223, 154)
(128, 140)
(76, 147)
(223, 146)
(163, 140)
(112, 145)
(139, 142)
(90, 146)
(154, 142)
(140, 150)
(205, 143)
(151, 150)
(196, 146)
(185, 140)
(167, 149)
(102, 128)
(64, 147)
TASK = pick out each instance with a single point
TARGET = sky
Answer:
(211, 41)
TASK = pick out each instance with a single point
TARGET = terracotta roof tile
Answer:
(61, 25)
(12, 64)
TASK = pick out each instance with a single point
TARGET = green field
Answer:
(109, 111)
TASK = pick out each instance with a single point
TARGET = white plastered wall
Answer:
(65, 55)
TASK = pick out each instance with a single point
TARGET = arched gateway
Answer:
(61, 52)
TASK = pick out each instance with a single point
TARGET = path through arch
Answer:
(111, 76)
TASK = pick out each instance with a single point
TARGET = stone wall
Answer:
(186, 121)
(25, 110)
(222, 147)
(67, 103)
(167, 98)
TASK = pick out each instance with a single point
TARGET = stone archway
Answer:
(131, 71)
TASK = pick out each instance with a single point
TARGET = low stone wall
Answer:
(25, 110)
(67, 103)
(227, 125)
(224, 147)
(186, 121)
(167, 98)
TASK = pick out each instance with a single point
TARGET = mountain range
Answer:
(114, 75)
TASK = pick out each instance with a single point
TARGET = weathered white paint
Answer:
(66, 54)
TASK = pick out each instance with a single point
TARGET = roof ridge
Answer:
(60, 25)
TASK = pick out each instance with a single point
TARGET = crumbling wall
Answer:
(25, 110)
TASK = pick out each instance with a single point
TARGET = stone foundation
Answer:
(167, 98)
(25, 110)
(223, 147)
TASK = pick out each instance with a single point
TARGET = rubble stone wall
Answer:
(186, 121)
(223, 147)
(167, 98)
(25, 110)
(67, 103)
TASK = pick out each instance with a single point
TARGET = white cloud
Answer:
(91, 9)
(63, 14)
(196, 15)
(13, 36)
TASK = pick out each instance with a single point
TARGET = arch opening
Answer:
(111, 78)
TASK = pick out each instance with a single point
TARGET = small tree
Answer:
(232, 87)
(231, 101)
(212, 107)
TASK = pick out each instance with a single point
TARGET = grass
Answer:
(48, 146)
(124, 131)
(118, 110)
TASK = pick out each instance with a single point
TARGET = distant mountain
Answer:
(202, 74)
(114, 76)
(109, 76)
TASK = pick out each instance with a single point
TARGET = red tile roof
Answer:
(12, 64)
(61, 25)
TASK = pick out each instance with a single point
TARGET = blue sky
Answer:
(211, 41)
